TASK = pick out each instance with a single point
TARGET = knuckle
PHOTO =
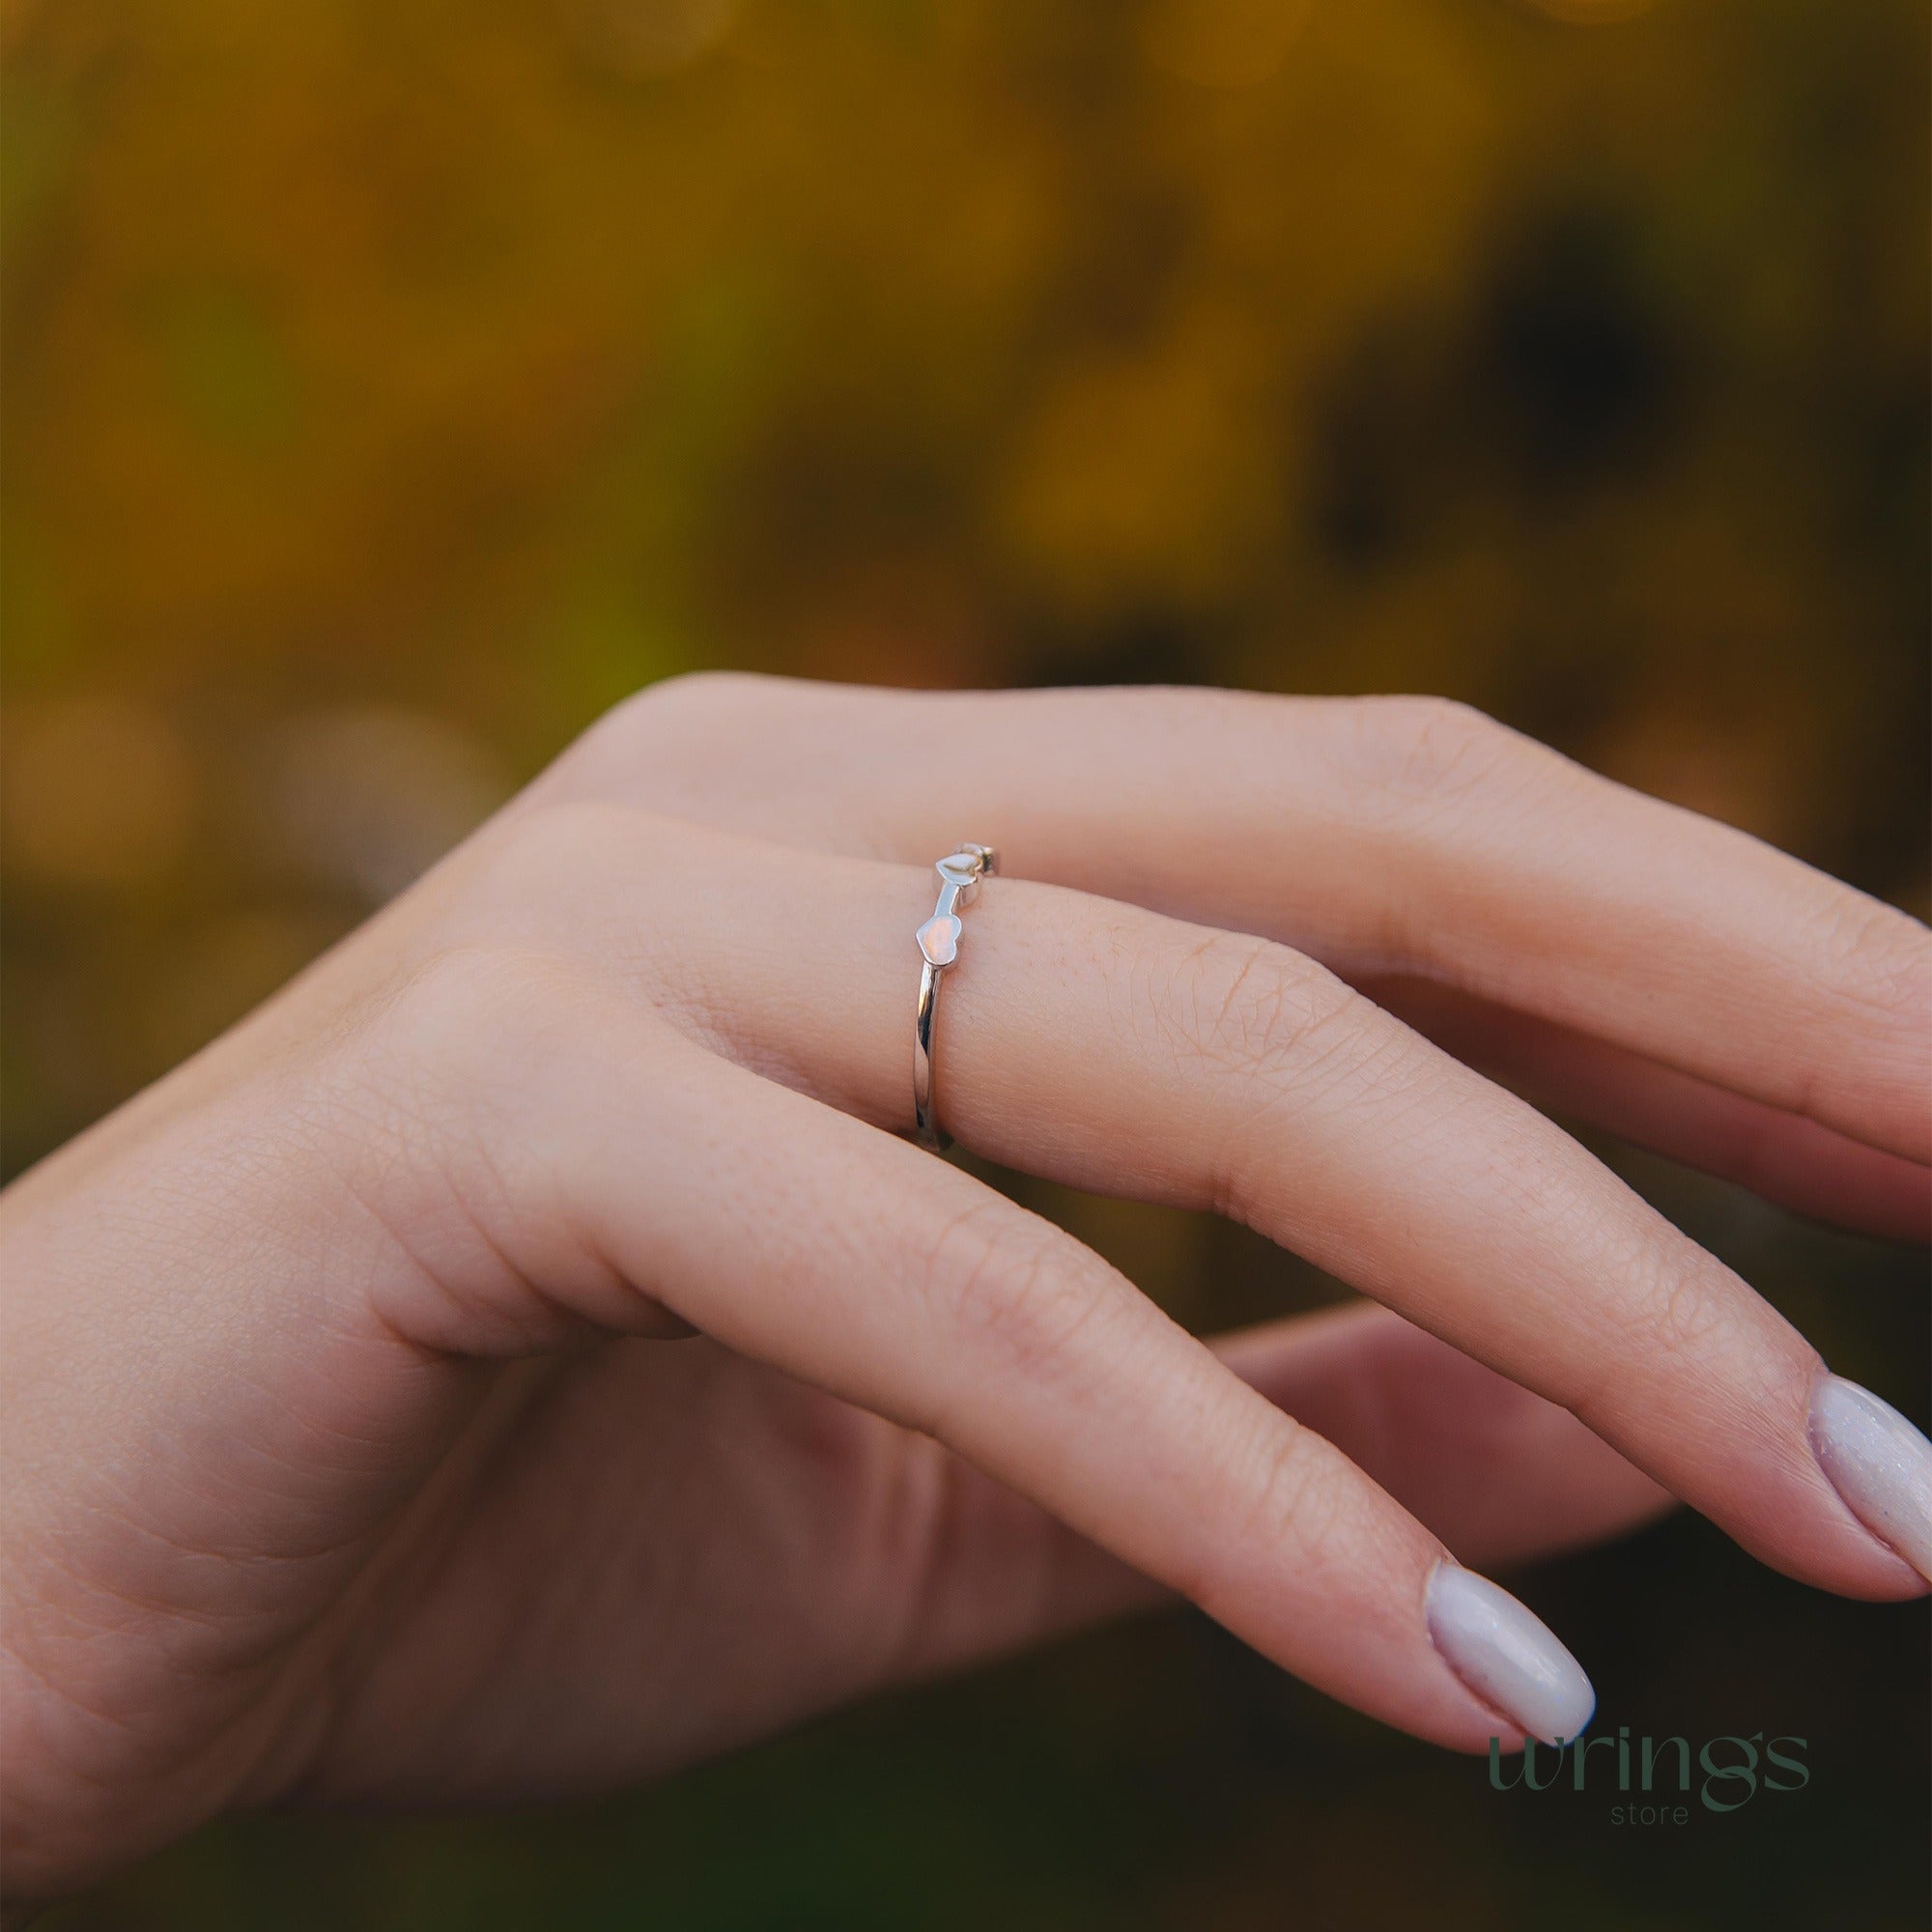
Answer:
(1257, 1008)
(1291, 1504)
(674, 743)
(1438, 747)
(1884, 961)
(1013, 1288)
(671, 710)
(1269, 1032)
(1687, 1313)
(1685, 1328)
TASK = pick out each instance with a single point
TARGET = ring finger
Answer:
(1113, 1048)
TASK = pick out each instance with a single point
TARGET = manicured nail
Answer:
(1879, 1464)
(1506, 1656)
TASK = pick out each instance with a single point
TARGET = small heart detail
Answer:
(939, 939)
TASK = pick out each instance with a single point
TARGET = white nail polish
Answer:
(1879, 1463)
(1506, 1656)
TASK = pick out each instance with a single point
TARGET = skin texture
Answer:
(521, 1357)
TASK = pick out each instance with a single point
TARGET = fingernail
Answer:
(1506, 1656)
(1879, 1463)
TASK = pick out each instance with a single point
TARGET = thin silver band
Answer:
(960, 876)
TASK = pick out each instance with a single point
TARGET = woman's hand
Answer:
(326, 1473)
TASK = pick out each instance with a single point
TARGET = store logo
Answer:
(1661, 1776)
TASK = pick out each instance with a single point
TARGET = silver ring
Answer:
(960, 876)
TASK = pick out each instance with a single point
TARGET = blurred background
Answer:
(389, 389)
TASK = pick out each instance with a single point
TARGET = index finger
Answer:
(802, 1238)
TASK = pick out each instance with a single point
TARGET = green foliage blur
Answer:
(389, 387)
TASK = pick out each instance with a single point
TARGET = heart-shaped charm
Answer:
(939, 939)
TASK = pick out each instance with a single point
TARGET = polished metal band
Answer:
(959, 878)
